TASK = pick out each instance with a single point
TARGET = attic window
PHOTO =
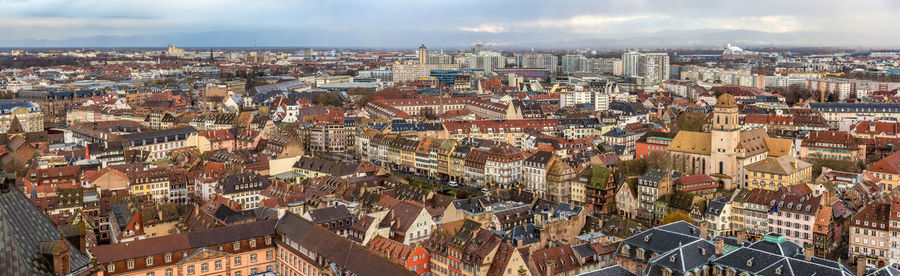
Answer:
(750, 262)
(672, 259)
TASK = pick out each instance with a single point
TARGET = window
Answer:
(111, 268)
(252, 243)
(218, 265)
(190, 269)
(237, 246)
(204, 267)
(237, 273)
(253, 258)
(268, 255)
(168, 257)
(130, 264)
(169, 272)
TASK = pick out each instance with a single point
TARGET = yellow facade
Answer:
(771, 181)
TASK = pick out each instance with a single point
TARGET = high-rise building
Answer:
(609, 66)
(486, 60)
(654, 67)
(574, 64)
(533, 60)
(423, 54)
(630, 60)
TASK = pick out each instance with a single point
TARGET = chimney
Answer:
(703, 229)
(860, 265)
(720, 246)
(809, 251)
(60, 255)
(741, 237)
(550, 267)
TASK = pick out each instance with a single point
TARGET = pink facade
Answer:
(794, 216)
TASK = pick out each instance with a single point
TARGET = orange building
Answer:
(412, 257)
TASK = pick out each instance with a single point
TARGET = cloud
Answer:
(447, 23)
(484, 28)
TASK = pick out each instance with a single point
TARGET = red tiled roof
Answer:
(870, 127)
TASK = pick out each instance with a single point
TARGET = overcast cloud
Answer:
(384, 23)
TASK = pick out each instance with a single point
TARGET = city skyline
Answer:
(513, 24)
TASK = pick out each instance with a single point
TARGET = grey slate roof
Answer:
(245, 182)
(324, 215)
(685, 258)
(884, 271)
(658, 240)
(615, 270)
(773, 256)
(25, 231)
(715, 206)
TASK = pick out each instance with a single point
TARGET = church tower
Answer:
(725, 135)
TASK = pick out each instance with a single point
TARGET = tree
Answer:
(840, 165)
(659, 161)
(634, 167)
(676, 215)
(690, 121)
(326, 99)
(794, 93)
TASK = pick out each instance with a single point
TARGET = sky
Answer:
(451, 24)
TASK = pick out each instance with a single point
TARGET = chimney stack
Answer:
(61, 256)
(551, 265)
(703, 229)
(741, 237)
(720, 246)
(860, 265)
(809, 251)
